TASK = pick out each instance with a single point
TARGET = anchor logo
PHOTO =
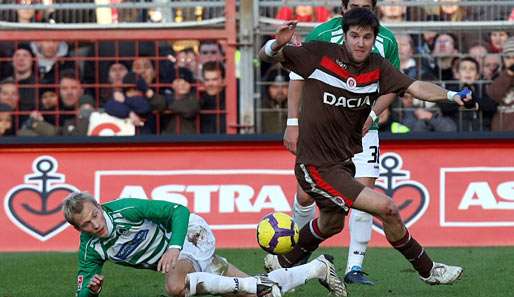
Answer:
(411, 196)
(35, 206)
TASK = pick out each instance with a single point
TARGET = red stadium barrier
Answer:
(452, 193)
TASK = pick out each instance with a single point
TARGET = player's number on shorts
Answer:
(375, 154)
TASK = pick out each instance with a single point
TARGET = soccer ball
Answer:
(277, 233)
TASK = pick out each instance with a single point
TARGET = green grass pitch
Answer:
(487, 272)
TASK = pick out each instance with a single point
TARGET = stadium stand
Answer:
(99, 41)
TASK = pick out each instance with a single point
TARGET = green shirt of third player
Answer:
(385, 43)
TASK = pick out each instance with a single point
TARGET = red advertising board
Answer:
(450, 193)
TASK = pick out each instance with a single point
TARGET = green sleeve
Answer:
(174, 217)
(325, 31)
(392, 54)
(90, 263)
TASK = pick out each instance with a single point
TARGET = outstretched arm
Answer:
(271, 51)
(431, 92)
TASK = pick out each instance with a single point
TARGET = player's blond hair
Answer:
(74, 203)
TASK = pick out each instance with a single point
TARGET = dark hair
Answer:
(211, 41)
(69, 74)
(213, 66)
(360, 17)
(472, 60)
(344, 3)
(452, 36)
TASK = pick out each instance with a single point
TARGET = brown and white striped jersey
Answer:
(337, 98)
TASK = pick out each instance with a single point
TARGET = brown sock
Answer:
(414, 253)
(310, 238)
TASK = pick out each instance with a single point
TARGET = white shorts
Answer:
(200, 247)
(367, 162)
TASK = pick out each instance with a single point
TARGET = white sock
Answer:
(303, 214)
(217, 284)
(290, 278)
(360, 235)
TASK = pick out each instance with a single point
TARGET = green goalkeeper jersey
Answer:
(385, 43)
(140, 231)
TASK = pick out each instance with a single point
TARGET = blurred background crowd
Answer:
(52, 87)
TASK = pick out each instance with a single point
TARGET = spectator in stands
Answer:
(49, 105)
(418, 118)
(132, 103)
(452, 12)
(445, 50)
(304, 13)
(9, 94)
(117, 70)
(425, 45)
(392, 13)
(478, 51)
(52, 59)
(212, 99)
(45, 124)
(273, 109)
(187, 58)
(27, 15)
(496, 39)
(77, 125)
(415, 68)
(184, 105)
(492, 63)
(143, 67)
(468, 74)
(210, 50)
(6, 123)
(70, 90)
(501, 90)
(23, 74)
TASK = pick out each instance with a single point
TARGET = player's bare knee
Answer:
(389, 212)
(175, 289)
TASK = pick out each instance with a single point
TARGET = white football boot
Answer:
(442, 274)
(271, 263)
(267, 287)
(330, 279)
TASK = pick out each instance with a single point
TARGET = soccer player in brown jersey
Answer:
(341, 85)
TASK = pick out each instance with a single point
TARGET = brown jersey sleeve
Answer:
(303, 59)
(392, 80)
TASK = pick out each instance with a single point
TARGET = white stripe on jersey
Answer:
(338, 83)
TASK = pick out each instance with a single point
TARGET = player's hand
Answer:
(118, 96)
(367, 125)
(95, 284)
(168, 260)
(464, 98)
(135, 119)
(291, 138)
(284, 34)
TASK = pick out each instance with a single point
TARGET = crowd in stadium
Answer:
(50, 88)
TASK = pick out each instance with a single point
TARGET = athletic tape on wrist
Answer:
(450, 95)
(268, 49)
(292, 122)
(373, 115)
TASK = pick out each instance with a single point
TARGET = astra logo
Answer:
(332, 99)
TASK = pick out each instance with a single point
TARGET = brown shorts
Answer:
(332, 187)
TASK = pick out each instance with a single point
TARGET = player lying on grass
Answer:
(164, 236)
